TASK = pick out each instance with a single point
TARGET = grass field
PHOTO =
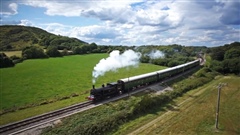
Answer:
(12, 53)
(194, 113)
(35, 81)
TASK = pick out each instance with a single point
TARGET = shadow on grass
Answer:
(172, 108)
(191, 96)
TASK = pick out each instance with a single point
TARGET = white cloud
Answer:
(57, 28)
(13, 7)
(25, 23)
(57, 7)
(8, 8)
(100, 34)
(141, 22)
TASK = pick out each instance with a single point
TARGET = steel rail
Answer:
(37, 119)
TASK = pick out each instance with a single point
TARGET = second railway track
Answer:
(20, 125)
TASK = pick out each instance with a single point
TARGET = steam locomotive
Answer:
(128, 84)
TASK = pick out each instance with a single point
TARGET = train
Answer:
(131, 83)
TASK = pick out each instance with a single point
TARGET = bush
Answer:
(65, 97)
(74, 95)
(5, 61)
(52, 51)
(16, 59)
(161, 62)
(33, 52)
(173, 63)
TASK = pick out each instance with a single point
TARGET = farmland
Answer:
(37, 81)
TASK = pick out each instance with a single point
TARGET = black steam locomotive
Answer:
(128, 84)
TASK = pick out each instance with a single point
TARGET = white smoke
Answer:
(155, 54)
(115, 61)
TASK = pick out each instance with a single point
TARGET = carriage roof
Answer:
(133, 78)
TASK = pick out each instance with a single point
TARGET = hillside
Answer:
(17, 37)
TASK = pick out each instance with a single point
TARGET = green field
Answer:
(12, 53)
(36, 81)
(194, 113)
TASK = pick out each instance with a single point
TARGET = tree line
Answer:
(39, 52)
(226, 59)
(173, 54)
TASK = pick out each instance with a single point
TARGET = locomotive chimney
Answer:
(93, 86)
(103, 85)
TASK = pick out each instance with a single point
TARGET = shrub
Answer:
(16, 59)
(52, 51)
(63, 98)
(33, 52)
(74, 95)
(5, 61)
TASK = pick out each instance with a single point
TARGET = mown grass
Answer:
(35, 81)
(194, 113)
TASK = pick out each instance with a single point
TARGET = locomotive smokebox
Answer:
(93, 87)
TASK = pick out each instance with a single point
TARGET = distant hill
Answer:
(18, 37)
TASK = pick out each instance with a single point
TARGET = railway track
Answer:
(20, 125)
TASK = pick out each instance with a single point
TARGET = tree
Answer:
(160, 61)
(232, 53)
(5, 61)
(92, 46)
(145, 59)
(231, 66)
(84, 49)
(216, 66)
(173, 63)
(52, 51)
(217, 54)
(77, 50)
(33, 52)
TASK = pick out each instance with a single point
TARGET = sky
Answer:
(131, 22)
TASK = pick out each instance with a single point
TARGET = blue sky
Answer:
(136, 22)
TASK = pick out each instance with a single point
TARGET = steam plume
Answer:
(155, 54)
(115, 61)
